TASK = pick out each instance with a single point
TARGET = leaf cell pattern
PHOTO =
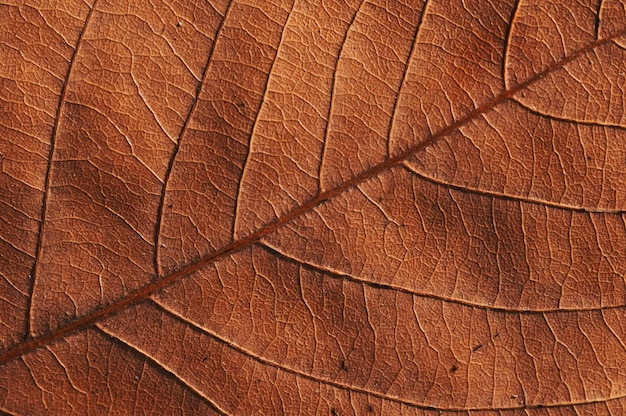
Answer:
(339, 207)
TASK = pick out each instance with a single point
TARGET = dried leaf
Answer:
(343, 207)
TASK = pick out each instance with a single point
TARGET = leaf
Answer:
(296, 207)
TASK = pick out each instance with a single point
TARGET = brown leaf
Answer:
(344, 207)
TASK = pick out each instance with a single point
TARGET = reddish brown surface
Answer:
(299, 207)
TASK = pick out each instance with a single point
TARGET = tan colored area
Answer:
(338, 207)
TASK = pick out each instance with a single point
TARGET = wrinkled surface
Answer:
(337, 207)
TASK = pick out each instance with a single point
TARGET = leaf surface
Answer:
(299, 207)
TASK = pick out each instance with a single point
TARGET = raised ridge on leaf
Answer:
(300, 207)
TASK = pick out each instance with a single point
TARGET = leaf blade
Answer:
(587, 334)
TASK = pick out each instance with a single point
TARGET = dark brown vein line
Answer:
(563, 119)
(515, 198)
(48, 180)
(409, 59)
(256, 119)
(362, 390)
(598, 22)
(183, 130)
(168, 373)
(333, 84)
(507, 42)
(158, 284)
(333, 274)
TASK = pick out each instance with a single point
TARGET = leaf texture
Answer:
(337, 207)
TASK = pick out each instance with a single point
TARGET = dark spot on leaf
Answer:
(333, 412)
(454, 368)
(477, 347)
